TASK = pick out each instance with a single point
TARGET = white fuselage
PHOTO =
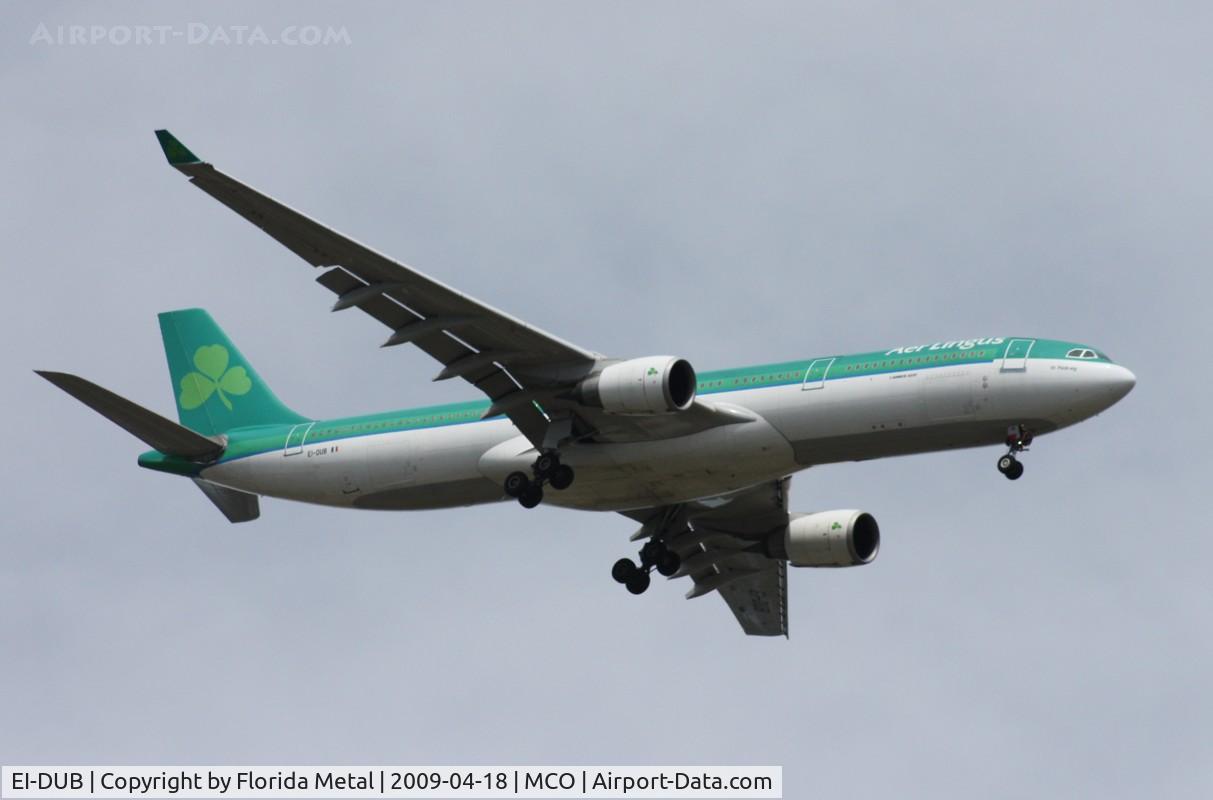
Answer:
(795, 426)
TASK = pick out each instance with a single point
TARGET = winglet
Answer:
(175, 151)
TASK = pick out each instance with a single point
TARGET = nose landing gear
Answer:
(546, 469)
(1010, 466)
(654, 555)
(1018, 439)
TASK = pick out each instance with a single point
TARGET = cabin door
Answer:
(815, 375)
(1015, 358)
(296, 438)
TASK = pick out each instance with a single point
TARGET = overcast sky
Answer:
(734, 184)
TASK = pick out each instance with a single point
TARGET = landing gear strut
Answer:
(1018, 439)
(654, 555)
(546, 469)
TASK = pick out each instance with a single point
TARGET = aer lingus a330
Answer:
(700, 460)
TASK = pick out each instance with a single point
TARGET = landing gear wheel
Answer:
(562, 477)
(516, 483)
(1018, 439)
(546, 464)
(638, 582)
(624, 570)
(654, 555)
(531, 496)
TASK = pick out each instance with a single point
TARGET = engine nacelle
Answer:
(845, 538)
(641, 386)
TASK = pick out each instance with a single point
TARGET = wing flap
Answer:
(721, 542)
(440, 345)
(759, 600)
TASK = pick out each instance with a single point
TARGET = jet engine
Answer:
(845, 538)
(641, 386)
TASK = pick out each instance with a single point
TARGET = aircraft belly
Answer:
(329, 473)
(612, 476)
(464, 465)
(432, 468)
(443, 494)
(906, 441)
(429, 468)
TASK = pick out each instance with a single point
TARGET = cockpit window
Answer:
(1082, 352)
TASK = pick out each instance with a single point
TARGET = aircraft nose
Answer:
(1117, 382)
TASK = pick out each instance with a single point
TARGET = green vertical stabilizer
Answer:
(215, 387)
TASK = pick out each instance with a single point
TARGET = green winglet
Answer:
(175, 151)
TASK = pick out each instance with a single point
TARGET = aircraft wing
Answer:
(417, 309)
(525, 371)
(722, 544)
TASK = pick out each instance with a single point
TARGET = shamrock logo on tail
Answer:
(212, 377)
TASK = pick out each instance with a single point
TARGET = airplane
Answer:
(701, 461)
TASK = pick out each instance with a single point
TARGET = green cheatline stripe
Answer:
(246, 442)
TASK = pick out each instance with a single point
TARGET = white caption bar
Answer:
(304, 783)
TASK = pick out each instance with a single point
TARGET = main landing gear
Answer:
(654, 554)
(1018, 439)
(546, 469)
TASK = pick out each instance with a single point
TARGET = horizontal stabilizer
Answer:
(236, 505)
(163, 434)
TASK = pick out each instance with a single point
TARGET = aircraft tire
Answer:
(516, 483)
(531, 496)
(546, 464)
(638, 582)
(668, 563)
(562, 477)
(623, 570)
